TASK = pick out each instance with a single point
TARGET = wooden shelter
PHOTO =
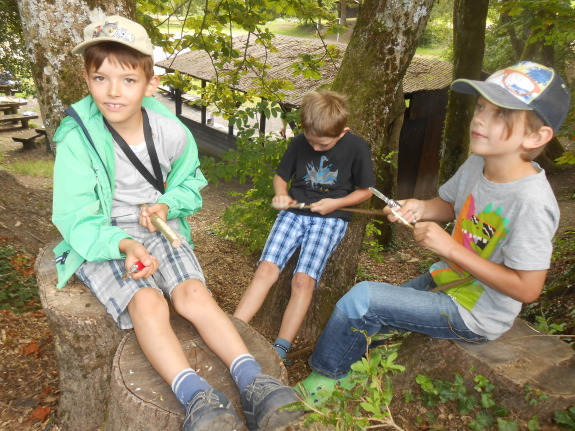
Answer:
(425, 87)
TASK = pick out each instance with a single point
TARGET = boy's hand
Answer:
(282, 202)
(160, 209)
(135, 251)
(411, 210)
(325, 206)
(433, 237)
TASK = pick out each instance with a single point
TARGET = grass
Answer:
(35, 168)
(291, 28)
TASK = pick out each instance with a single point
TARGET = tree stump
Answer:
(140, 399)
(86, 338)
(522, 356)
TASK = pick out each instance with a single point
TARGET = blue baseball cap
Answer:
(526, 86)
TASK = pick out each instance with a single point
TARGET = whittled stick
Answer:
(351, 210)
(163, 227)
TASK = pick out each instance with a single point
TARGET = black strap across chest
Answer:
(156, 180)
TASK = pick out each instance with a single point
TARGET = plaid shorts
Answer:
(317, 236)
(104, 278)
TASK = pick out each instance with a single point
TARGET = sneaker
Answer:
(210, 410)
(263, 401)
(316, 388)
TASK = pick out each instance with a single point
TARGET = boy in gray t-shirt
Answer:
(499, 252)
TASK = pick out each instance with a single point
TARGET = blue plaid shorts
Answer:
(104, 278)
(318, 238)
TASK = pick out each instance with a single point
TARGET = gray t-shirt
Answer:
(131, 188)
(511, 224)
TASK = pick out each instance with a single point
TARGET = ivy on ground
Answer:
(18, 287)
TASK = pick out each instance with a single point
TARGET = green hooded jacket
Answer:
(84, 186)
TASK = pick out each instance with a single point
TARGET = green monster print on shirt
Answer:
(479, 233)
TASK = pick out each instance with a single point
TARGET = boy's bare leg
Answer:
(193, 301)
(301, 295)
(151, 318)
(266, 275)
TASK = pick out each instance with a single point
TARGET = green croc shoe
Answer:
(315, 389)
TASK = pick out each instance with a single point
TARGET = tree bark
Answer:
(141, 400)
(86, 338)
(51, 30)
(343, 12)
(381, 47)
(469, 19)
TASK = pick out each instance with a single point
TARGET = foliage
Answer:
(248, 220)
(18, 288)
(366, 405)
(567, 158)
(13, 56)
(529, 23)
(565, 418)
(370, 243)
(211, 29)
(487, 412)
(438, 32)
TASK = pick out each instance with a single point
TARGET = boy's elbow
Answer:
(531, 296)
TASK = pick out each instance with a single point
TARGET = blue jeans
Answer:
(383, 308)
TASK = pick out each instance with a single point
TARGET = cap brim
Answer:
(82, 47)
(492, 92)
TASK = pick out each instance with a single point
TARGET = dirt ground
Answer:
(29, 389)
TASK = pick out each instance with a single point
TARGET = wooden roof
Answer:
(422, 74)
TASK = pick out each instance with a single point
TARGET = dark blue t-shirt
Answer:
(334, 173)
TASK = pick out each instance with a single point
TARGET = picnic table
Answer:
(15, 118)
(11, 106)
(8, 89)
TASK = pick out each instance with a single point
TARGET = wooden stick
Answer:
(163, 227)
(351, 210)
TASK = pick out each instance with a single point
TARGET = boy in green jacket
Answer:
(118, 149)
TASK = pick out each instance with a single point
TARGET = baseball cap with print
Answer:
(116, 28)
(527, 86)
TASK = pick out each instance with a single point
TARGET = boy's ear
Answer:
(152, 86)
(539, 137)
(345, 130)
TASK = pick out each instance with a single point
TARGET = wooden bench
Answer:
(28, 138)
(14, 118)
(106, 383)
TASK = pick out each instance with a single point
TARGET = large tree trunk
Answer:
(469, 18)
(381, 47)
(51, 30)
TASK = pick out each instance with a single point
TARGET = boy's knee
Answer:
(190, 294)
(355, 303)
(302, 283)
(267, 270)
(146, 302)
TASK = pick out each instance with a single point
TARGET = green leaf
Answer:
(507, 425)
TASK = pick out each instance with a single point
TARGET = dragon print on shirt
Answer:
(322, 175)
(480, 233)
